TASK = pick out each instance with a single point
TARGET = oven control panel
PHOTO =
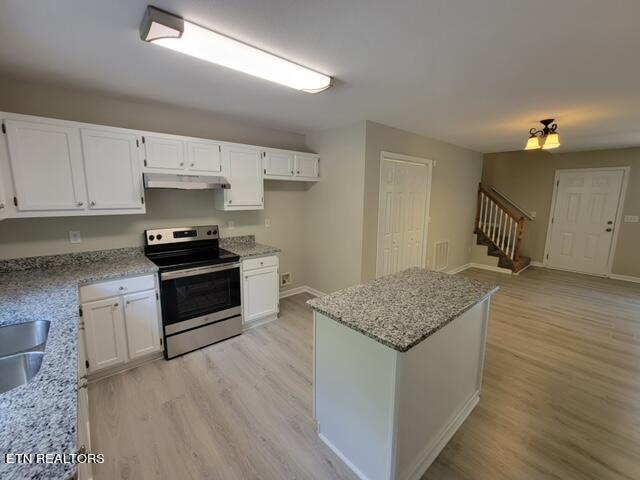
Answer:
(181, 234)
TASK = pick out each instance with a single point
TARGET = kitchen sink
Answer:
(16, 370)
(21, 352)
(23, 337)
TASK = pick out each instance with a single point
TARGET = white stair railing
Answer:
(503, 228)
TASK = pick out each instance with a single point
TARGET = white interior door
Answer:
(402, 214)
(584, 219)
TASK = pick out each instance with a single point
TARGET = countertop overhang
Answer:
(403, 309)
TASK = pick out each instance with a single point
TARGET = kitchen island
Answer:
(398, 368)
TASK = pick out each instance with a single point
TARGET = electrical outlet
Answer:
(285, 279)
(231, 224)
(267, 222)
(74, 236)
(631, 219)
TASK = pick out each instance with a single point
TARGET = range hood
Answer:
(184, 182)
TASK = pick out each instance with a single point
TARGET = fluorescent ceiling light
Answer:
(167, 30)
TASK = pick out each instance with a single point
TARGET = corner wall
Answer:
(334, 209)
(454, 190)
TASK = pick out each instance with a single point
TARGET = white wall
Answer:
(333, 206)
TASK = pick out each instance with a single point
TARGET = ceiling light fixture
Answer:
(170, 31)
(547, 138)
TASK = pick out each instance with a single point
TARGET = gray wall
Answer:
(453, 192)
(284, 201)
(334, 208)
(527, 177)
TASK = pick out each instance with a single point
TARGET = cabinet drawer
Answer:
(113, 288)
(260, 262)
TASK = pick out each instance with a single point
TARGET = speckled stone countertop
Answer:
(403, 309)
(246, 246)
(40, 416)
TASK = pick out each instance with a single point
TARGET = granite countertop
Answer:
(403, 309)
(246, 246)
(41, 416)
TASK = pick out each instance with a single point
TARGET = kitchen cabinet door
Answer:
(46, 161)
(204, 157)
(260, 293)
(142, 323)
(83, 429)
(105, 338)
(112, 167)
(4, 199)
(243, 169)
(278, 164)
(307, 166)
(163, 152)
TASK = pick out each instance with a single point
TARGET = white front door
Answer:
(583, 220)
(402, 214)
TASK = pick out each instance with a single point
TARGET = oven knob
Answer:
(215, 232)
(151, 237)
(159, 237)
(208, 232)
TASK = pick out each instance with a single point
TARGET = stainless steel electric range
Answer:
(199, 287)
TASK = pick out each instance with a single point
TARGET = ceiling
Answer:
(474, 73)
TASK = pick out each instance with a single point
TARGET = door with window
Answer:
(583, 219)
(402, 212)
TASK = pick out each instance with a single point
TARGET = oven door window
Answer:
(190, 297)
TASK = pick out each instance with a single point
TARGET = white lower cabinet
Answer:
(122, 328)
(141, 322)
(260, 290)
(104, 333)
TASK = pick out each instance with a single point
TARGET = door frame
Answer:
(616, 225)
(406, 159)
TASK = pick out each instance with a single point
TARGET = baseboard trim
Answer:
(624, 278)
(459, 269)
(536, 264)
(491, 268)
(118, 369)
(303, 289)
(424, 460)
(342, 457)
(259, 322)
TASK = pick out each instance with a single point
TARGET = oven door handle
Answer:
(197, 271)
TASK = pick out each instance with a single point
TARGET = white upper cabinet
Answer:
(307, 166)
(46, 161)
(242, 165)
(278, 164)
(164, 152)
(204, 157)
(112, 167)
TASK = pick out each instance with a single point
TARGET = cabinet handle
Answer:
(93, 204)
(1, 206)
(120, 288)
(182, 164)
(115, 305)
(192, 164)
(80, 204)
(291, 172)
(229, 201)
(127, 302)
(298, 172)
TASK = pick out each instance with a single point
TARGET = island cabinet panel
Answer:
(387, 413)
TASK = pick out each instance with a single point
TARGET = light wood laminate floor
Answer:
(560, 396)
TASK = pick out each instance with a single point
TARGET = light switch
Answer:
(231, 224)
(533, 214)
(74, 236)
(631, 219)
(267, 222)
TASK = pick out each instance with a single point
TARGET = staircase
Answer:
(500, 230)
